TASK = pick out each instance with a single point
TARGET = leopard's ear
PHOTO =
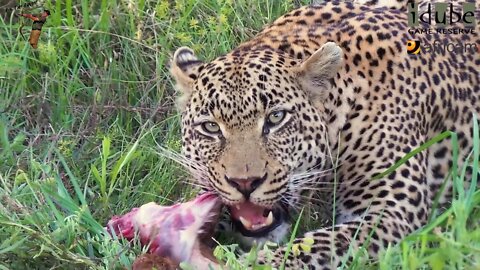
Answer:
(184, 69)
(315, 72)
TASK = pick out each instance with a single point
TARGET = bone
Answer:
(174, 234)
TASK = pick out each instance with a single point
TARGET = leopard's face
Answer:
(250, 130)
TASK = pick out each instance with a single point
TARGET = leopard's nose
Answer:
(246, 185)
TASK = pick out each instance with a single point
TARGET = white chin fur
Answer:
(278, 235)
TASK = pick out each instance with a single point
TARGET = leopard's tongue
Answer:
(252, 217)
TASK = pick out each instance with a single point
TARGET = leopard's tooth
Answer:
(237, 206)
(247, 224)
(258, 226)
(269, 220)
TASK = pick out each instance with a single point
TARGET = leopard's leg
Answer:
(373, 214)
(330, 246)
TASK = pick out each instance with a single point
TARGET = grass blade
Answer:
(419, 149)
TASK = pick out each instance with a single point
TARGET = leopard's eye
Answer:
(276, 118)
(211, 128)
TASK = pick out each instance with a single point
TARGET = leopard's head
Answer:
(252, 128)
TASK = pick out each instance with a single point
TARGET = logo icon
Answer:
(413, 46)
(38, 21)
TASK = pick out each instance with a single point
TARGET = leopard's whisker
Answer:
(316, 188)
(311, 172)
(310, 178)
(199, 171)
(305, 197)
(198, 185)
(290, 203)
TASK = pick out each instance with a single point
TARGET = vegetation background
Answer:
(82, 119)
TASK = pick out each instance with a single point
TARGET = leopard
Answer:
(327, 98)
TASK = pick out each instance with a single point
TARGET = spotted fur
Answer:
(353, 97)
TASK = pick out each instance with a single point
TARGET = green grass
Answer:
(81, 118)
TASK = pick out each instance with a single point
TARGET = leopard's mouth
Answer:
(253, 220)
